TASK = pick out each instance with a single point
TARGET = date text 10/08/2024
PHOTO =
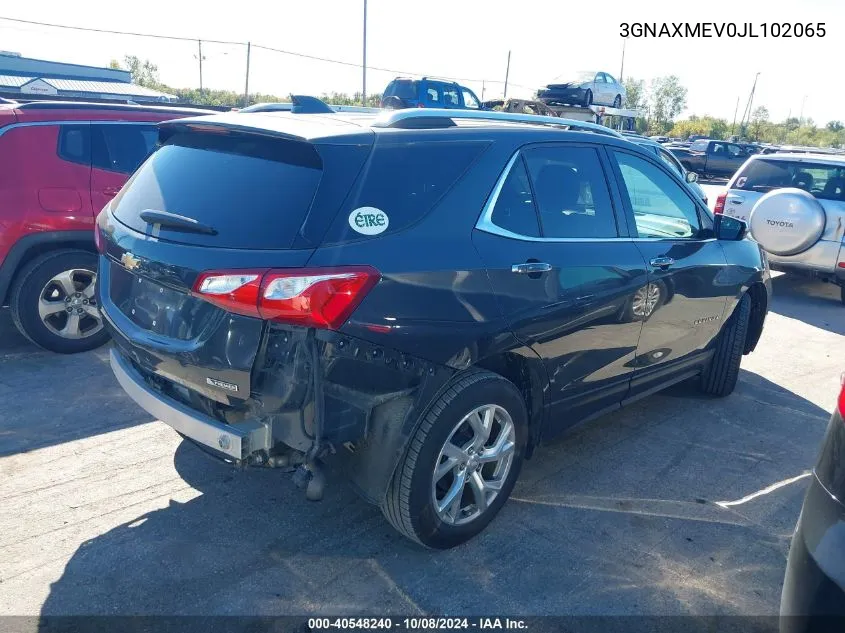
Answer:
(722, 29)
(418, 623)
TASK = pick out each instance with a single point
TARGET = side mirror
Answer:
(727, 228)
(692, 176)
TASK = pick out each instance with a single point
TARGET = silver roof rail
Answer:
(392, 118)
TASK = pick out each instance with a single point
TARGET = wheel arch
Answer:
(759, 308)
(392, 424)
(35, 245)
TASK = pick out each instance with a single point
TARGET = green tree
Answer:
(635, 96)
(759, 117)
(835, 126)
(144, 73)
(666, 99)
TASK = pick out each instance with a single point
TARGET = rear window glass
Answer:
(402, 89)
(253, 192)
(406, 180)
(699, 146)
(826, 182)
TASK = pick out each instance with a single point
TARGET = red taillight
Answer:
(235, 291)
(720, 203)
(316, 297)
(842, 396)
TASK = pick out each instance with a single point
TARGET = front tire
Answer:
(720, 376)
(53, 303)
(588, 98)
(461, 463)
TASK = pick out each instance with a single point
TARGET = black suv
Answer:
(422, 297)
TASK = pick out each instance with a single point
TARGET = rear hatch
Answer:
(213, 198)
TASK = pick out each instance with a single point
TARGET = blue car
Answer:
(428, 93)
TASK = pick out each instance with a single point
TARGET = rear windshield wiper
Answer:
(174, 221)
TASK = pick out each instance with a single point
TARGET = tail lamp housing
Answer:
(310, 297)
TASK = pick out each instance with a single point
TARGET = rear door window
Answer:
(254, 192)
(571, 192)
(121, 148)
(826, 182)
(450, 97)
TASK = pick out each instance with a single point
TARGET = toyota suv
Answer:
(795, 207)
(62, 162)
(422, 297)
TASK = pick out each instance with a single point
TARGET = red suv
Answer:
(61, 164)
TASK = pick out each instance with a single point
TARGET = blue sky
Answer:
(458, 38)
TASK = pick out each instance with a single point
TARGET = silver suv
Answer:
(794, 205)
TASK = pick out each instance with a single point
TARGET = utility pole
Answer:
(364, 87)
(736, 109)
(801, 116)
(482, 90)
(746, 115)
(246, 87)
(199, 43)
(507, 72)
(622, 67)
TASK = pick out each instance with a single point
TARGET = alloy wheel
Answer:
(67, 305)
(473, 464)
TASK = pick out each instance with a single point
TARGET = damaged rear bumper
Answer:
(237, 441)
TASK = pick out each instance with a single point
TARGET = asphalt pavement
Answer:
(680, 504)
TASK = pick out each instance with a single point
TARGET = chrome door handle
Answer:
(661, 262)
(531, 267)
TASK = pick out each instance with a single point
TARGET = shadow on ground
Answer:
(619, 517)
(50, 399)
(811, 301)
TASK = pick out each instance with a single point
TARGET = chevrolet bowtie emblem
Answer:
(130, 261)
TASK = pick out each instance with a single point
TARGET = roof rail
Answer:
(394, 118)
(92, 105)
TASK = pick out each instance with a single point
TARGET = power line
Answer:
(266, 48)
(111, 32)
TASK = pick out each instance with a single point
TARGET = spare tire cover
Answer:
(787, 221)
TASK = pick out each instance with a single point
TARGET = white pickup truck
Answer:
(794, 205)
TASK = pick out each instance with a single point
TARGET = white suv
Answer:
(794, 205)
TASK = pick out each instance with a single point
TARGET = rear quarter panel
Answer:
(38, 190)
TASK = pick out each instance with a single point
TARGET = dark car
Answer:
(428, 92)
(711, 158)
(424, 297)
(813, 596)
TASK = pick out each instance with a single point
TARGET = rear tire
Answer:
(842, 294)
(44, 302)
(411, 503)
(721, 374)
(588, 98)
(617, 102)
